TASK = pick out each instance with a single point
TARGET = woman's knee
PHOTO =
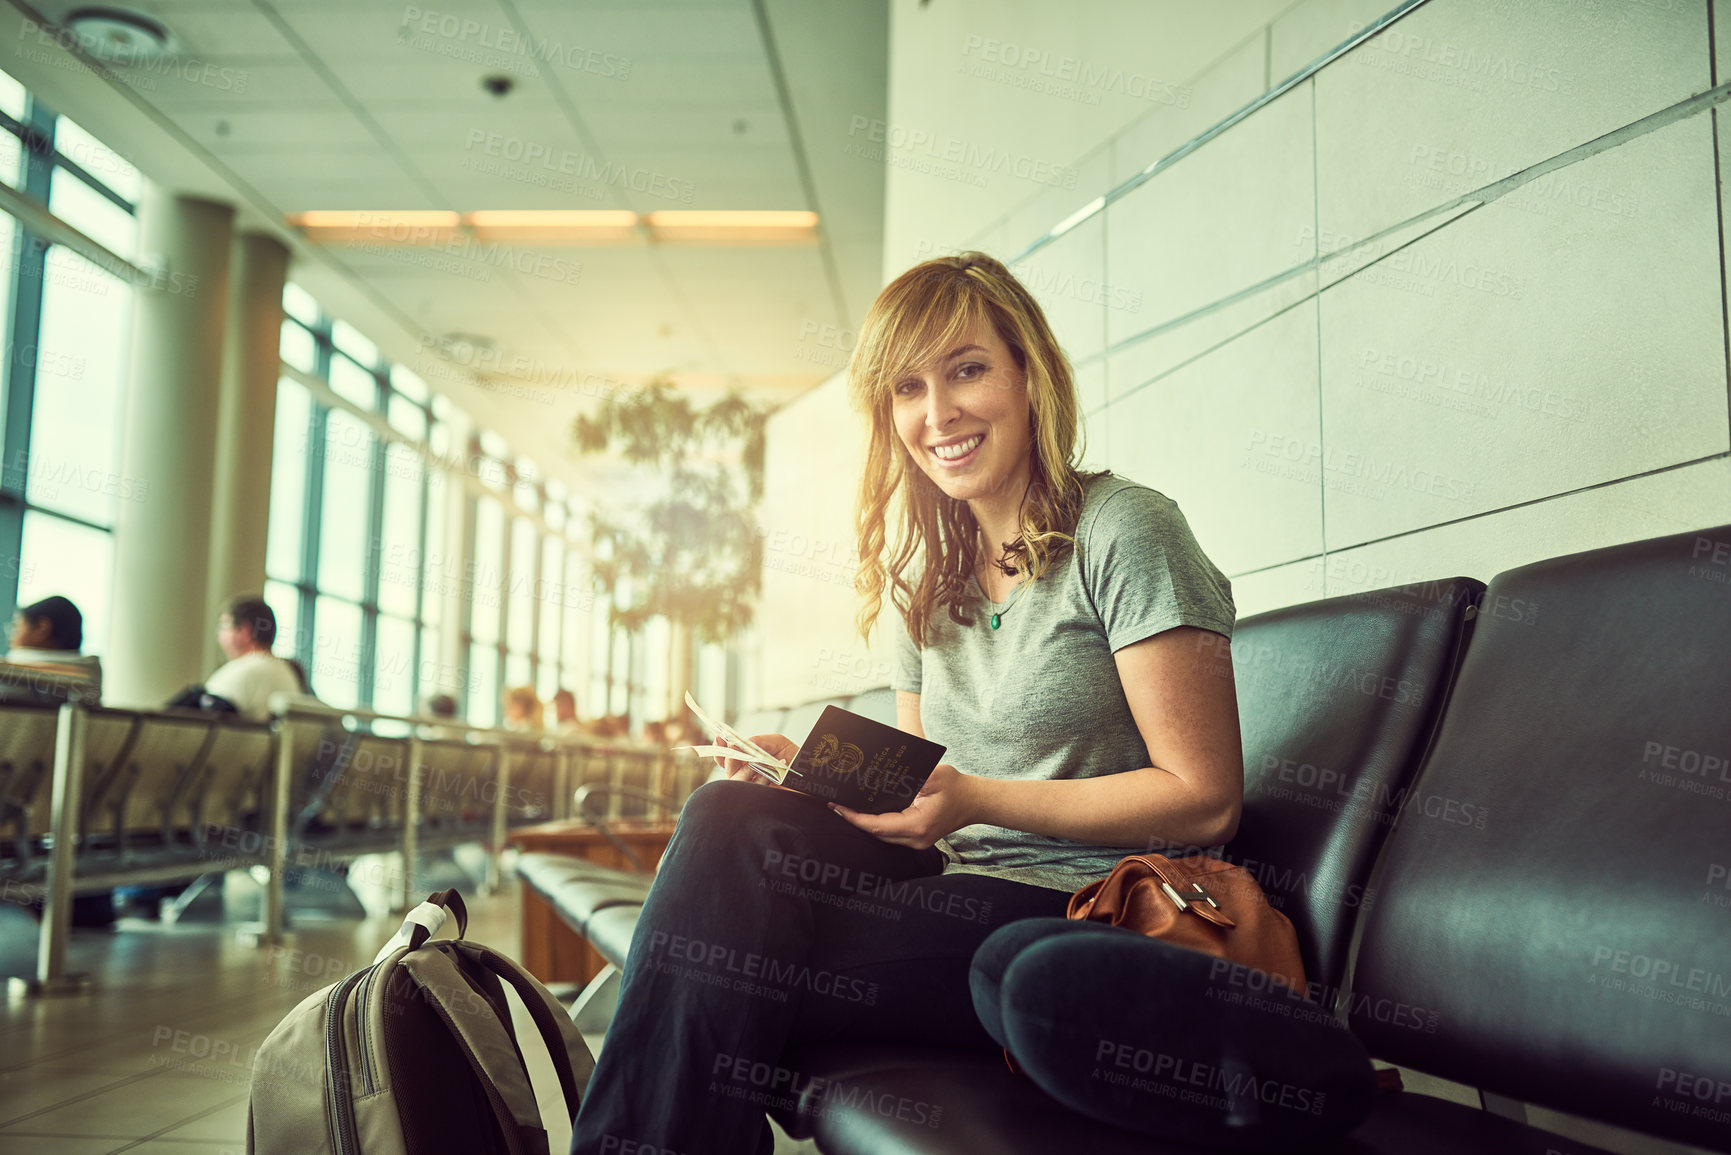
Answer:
(731, 802)
(734, 814)
(723, 799)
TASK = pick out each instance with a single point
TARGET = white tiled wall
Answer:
(1464, 92)
(1232, 437)
(1232, 214)
(1532, 347)
(807, 647)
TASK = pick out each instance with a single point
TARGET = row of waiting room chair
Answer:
(1500, 820)
(92, 798)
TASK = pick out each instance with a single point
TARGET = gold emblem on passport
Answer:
(879, 769)
(835, 756)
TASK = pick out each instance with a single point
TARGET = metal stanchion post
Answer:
(411, 825)
(561, 808)
(51, 977)
(501, 790)
(272, 930)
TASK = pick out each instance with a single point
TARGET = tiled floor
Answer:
(156, 1057)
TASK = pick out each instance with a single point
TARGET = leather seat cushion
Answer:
(580, 890)
(877, 1100)
(609, 931)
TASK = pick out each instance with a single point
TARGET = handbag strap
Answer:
(1186, 893)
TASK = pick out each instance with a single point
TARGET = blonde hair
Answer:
(526, 702)
(914, 322)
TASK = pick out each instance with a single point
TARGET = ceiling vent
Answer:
(118, 34)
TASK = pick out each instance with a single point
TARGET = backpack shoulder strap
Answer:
(484, 1040)
(571, 1058)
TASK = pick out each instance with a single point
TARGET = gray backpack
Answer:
(414, 1054)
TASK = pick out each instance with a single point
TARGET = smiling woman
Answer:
(1084, 723)
(955, 349)
(1082, 727)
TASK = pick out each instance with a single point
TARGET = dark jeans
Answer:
(774, 922)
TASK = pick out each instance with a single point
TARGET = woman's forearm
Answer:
(1148, 807)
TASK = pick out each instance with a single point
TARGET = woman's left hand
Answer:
(943, 806)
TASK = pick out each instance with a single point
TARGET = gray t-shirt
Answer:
(1040, 697)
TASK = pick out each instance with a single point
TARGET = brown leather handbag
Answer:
(1198, 903)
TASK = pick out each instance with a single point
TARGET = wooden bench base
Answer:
(551, 950)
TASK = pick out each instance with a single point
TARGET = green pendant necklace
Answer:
(998, 614)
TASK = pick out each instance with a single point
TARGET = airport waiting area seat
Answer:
(1500, 819)
(93, 798)
(158, 792)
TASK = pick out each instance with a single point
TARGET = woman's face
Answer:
(964, 420)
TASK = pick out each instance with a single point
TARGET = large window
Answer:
(352, 516)
(358, 555)
(64, 368)
(523, 628)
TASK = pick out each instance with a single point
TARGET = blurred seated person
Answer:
(522, 709)
(565, 721)
(300, 673)
(607, 726)
(441, 708)
(48, 635)
(678, 731)
(246, 630)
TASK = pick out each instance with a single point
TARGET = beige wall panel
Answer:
(1674, 501)
(805, 625)
(1465, 92)
(1532, 347)
(1232, 438)
(1231, 214)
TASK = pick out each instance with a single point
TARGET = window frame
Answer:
(306, 583)
(40, 159)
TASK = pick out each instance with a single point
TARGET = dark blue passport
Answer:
(862, 764)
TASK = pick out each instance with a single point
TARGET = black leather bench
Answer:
(1508, 796)
(1541, 925)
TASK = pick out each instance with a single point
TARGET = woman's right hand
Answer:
(778, 744)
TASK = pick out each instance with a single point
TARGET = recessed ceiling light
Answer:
(119, 34)
(577, 226)
(570, 227)
(744, 226)
(412, 227)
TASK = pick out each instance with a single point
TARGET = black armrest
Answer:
(599, 822)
